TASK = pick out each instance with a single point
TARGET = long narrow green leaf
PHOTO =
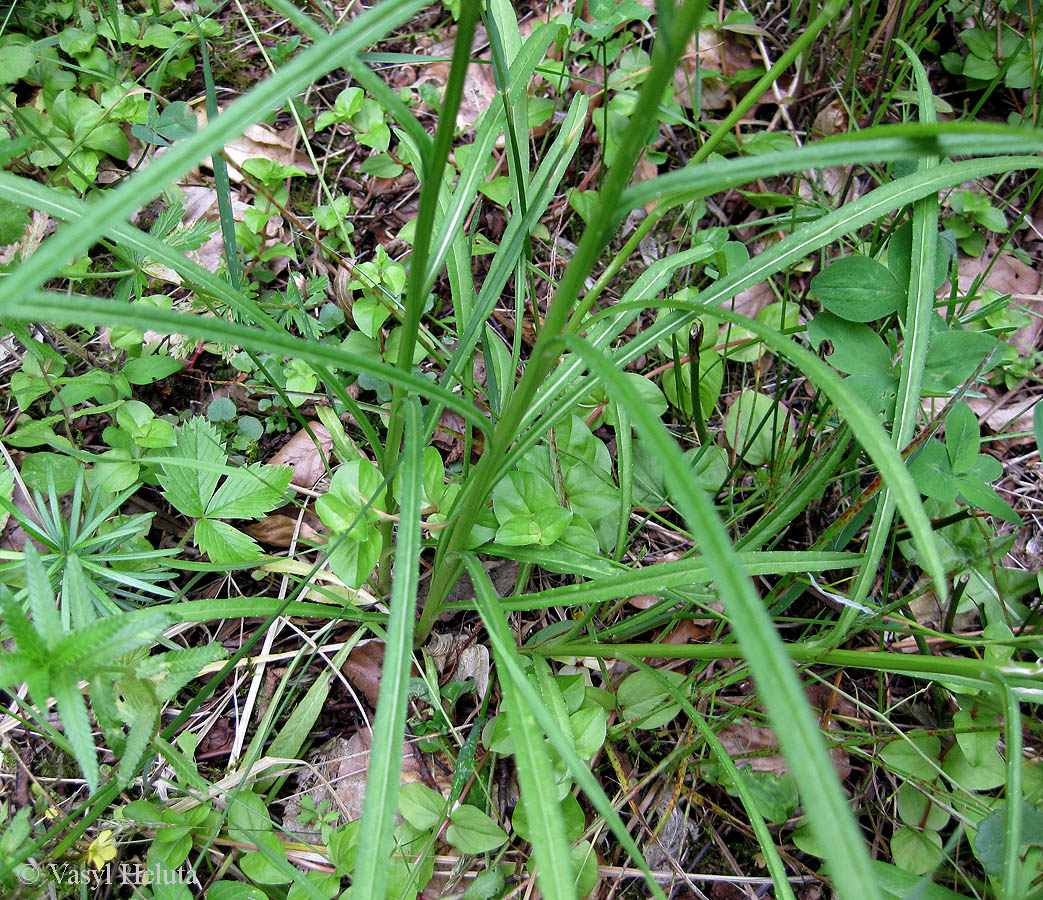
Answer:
(670, 43)
(870, 434)
(538, 792)
(376, 836)
(677, 573)
(919, 313)
(762, 648)
(562, 388)
(89, 311)
(512, 668)
(880, 144)
(329, 53)
(371, 83)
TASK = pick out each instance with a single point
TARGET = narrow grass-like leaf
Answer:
(677, 573)
(221, 183)
(371, 83)
(66, 208)
(1013, 796)
(89, 311)
(881, 144)
(431, 183)
(762, 647)
(376, 836)
(512, 668)
(550, 847)
(870, 434)
(606, 327)
(670, 43)
(294, 732)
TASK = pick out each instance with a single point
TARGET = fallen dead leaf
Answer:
(279, 530)
(339, 778)
(305, 455)
(757, 747)
(724, 52)
(261, 141)
(364, 667)
(479, 85)
(201, 203)
(1011, 417)
(1007, 275)
(457, 654)
(752, 300)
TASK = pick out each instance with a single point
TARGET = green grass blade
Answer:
(217, 161)
(541, 192)
(881, 144)
(670, 43)
(1014, 797)
(431, 183)
(117, 205)
(870, 434)
(677, 573)
(489, 127)
(562, 389)
(376, 836)
(919, 312)
(512, 668)
(763, 649)
(550, 846)
(90, 311)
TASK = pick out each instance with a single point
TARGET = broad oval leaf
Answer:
(858, 289)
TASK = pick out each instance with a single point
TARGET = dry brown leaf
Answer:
(831, 119)
(757, 748)
(449, 435)
(1014, 415)
(752, 300)
(279, 530)
(305, 455)
(342, 765)
(1008, 275)
(363, 669)
(261, 141)
(479, 85)
(722, 51)
(201, 203)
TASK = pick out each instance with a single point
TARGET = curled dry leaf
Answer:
(462, 659)
(201, 203)
(363, 668)
(280, 530)
(305, 455)
(756, 747)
